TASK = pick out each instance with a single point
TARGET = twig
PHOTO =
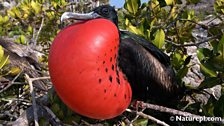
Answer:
(167, 110)
(174, 111)
(33, 36)
(40, 78)
(192, 21)
(177, 32)
(11, 83)
(85, 123)
(38, 32)
(137, 116)
(127, 121)
(213, 20)
(157, 121)
(30, 82)
(193, 44)
(19, 83)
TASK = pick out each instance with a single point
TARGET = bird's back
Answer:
(147, 68)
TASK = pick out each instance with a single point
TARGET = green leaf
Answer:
(219, 6)
(26, 8)
(1, 52)
(169, 2)
(173, 13)
(30, 29)
(182, 72)
(141, 122)
(208, 109)
(5, 19)
(163, 3)
(190, 15)
(209, 82)
(14, 71)
(132, 28)
(159, 38)
(21, 39)
(17, 12)
(11, 13)
(132, 6)
(178, 60)
(4, 61)
(218, 61)
(155, 5)
(135, 30)
(63, 2)
(36, 7)
(214, 45)
(221, 45)
(208, 70)
(203, 54)
(1, 19)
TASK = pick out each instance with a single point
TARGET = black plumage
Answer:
(147, 68)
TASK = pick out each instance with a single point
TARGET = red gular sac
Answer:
(83, 69)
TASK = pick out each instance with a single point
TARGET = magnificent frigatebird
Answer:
(146, 67)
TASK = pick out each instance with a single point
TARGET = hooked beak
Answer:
(78, 16)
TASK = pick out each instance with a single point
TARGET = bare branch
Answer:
(157, 121)
(137, 116)
(193, 44)
(11, 83)
(33, 99)
(40, 78)
(173, 111)
(192, 21)
(38, 32)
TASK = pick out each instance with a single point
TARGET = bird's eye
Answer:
(105, 11)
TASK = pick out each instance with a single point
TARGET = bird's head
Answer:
(104, 11)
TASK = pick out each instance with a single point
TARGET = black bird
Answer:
(147, 68)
